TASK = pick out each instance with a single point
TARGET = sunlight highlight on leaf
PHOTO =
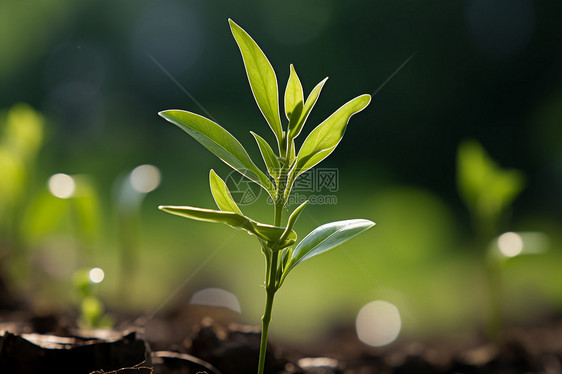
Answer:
(261, 76)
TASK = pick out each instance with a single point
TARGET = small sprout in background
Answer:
(81, 208)
(488, 192)
(21, 137)
(29, 219)
(284, 164)
(51, 208)
(72, 202)
(131, 191)
(500, 250)
(61, 227)
(486, 189)
(92, 312)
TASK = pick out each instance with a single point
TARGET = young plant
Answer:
(284, 165)
(92, 311)
(488, 191)
(131, 191)
(21, 138)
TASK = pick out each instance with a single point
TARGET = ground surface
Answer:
(174, 343)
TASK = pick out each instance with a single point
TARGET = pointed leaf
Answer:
(269, 157)
(292, 220)
(295, 117)
(293, 93)
(485, 187)
(221, 194)
(237, 221)
(285, 256)
(324, 238)
(261, 76)
(326, 136)
(220, 142)
(293, 152)
(296, 127)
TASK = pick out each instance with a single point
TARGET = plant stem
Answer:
(486, 229)
(495, 317)
(270, 289)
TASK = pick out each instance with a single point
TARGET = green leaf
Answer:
(24, 131)
(293, 155)
(12, 180)
(221, 194)
(86, 208)
(485, 187)
(324, 238)
(269, 157)
(326, 136)
(44, 214)
(296, 127)
(293, 93)
(235, 220)
(285, 256)
(295, 117)
(220, 142)
(261, 76)
(473, 168)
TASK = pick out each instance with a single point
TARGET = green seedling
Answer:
(284, 165)
(488, 191)
(70, 202)
(92, 312)
(131, 191)
(21, 137)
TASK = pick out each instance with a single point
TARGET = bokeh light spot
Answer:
(62, 185)
(216, 297)
(145, 178)
(96, 275)
(510, 244)
(378, 323)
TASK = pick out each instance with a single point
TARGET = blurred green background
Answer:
(81, 84)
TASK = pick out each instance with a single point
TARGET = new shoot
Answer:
(284, 163)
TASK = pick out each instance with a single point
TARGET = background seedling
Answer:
(29, 215)
(488, 191)
(130, 193)
(92, 310)
(71, 201)
(21, 137)
(284, 165)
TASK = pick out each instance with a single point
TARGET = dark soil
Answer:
(173, 343)
(195, 339)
